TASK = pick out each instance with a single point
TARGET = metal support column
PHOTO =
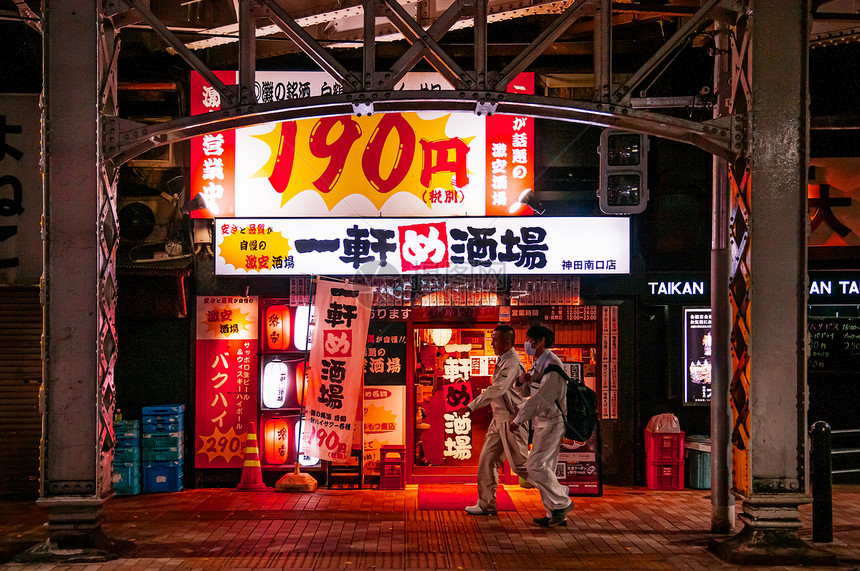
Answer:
(80, 239)
(768, 287)
(722, 502)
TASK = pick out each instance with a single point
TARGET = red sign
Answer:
(213, 156)
(510, 156)
(226, 375)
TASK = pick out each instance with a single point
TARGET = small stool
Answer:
(392, 474)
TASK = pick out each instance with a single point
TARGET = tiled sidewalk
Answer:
(627, 528)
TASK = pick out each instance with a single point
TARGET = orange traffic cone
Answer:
(252, 475)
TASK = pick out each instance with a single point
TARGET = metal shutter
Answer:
(20, 379)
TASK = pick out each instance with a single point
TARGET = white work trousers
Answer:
(542, 462)
(500, 443)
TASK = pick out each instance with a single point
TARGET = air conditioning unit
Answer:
(145, 219)
(165, 156)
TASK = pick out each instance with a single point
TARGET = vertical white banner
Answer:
(336, 377)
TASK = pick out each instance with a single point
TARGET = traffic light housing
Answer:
(623, 172)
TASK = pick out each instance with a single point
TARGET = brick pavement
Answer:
(627, 528)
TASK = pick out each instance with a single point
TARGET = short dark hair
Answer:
(537, 332)
(507, 333)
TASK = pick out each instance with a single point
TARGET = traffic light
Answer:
(623, 172)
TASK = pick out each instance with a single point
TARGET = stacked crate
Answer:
(664, 459)
(163, 441)
(126, 458)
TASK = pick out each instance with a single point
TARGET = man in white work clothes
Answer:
(505, 398)
(548, 425)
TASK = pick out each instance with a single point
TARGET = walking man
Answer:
(505, 398)
(548, 425)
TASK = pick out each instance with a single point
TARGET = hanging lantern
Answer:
(275, 376)
(301, 382)
(440, 337)
(278, 323)
(275, 440)
(305, 461)
(302, 327)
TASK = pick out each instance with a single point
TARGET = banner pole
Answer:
(296, 481)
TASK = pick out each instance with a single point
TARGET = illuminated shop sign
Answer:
(677, 288)
(834, 287)
(393, 246)
(697, 355)
(389, 164)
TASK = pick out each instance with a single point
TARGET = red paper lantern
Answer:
(278, 328)
(301, 382)
(276, 438)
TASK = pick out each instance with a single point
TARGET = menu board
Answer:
(834, 344)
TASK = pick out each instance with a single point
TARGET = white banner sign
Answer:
(397, 246)
(335, 380)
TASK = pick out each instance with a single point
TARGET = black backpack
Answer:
(581, 407)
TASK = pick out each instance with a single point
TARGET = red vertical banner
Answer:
(336, 376)
(213, 156)
(227, 379)
(510, 155)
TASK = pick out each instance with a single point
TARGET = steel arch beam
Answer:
(124, 140)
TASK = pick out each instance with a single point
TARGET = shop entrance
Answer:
(454, 362)
(452, 366)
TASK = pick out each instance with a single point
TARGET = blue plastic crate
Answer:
(127, 432)
(162, 477)
(163, 413)
(126, 455)
(127, 441)
(163, 439)
(131, 490)
(126, 474)
(162, 453)
(162, 427)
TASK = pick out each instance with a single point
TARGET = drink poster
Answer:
(226, 375)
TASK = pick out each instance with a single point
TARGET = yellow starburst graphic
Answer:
(374, 156)
(227, 445)
(378, 419)
(227, 320)
(269, 251)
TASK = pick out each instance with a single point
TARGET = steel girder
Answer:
(477, 90)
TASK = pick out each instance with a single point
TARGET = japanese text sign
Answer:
(20, 191)
(226, 378)
(390, 164)
(393, 246)
(336, 360)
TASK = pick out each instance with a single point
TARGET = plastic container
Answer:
(153, 427)
(126, 475)
(665, 475)
(126, 454)
(162, 453)
(163, 439)
(164, 410)
(162, 477)
(697, 462)
(664, 446)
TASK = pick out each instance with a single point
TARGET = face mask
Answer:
(530, 349)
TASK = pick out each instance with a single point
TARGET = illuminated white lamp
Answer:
(440, 337)
(275, 376)
(302, 327)
(304, 460)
